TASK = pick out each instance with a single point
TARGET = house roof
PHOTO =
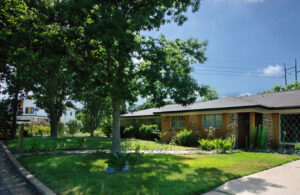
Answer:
(278, 100)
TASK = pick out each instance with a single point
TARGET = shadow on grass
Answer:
(152, 174)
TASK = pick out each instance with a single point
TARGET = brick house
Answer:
(279, 112)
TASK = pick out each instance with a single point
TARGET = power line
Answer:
(239, 61)
(238, 75)
(226, 67)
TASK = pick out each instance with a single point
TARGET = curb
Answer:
(33, 181)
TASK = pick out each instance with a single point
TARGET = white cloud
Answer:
(244, 94)
(271, 70)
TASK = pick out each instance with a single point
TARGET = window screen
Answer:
(177, 122)
(212, 120)
(290, 128)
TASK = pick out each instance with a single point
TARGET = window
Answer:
(157, 121)
(212, 120)
(290, 128)
(29, 110)
(177, 122)
(70, 113)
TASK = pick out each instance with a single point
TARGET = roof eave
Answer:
(210, 109)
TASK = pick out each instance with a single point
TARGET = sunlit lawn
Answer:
(152, 173)
(72, 142)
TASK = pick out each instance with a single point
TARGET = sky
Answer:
(248, 43)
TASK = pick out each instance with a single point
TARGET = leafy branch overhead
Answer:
(165, 69)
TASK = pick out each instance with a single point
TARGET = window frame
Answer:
(179, 122)
(214, 121)
(280, 133)
(27, 109)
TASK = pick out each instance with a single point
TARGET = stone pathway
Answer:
(11, 183)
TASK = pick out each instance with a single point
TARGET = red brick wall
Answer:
(165, 128)
(194, 123)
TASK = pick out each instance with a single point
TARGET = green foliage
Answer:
(206, 144)
(186, 138)
(149, 132)
(146, 132)
(211, 94)
(131, 131)
(73, 126)
(258, 137)
(156, 173)
(61, 128)
(220, 145)
(107, 126)
(81, 142)
(35, 130)
(297, 148)
(5, 118)
(35, 148)
(118, 160)
(290, 87)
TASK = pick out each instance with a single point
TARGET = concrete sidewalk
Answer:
(282, 180)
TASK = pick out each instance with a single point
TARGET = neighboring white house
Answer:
(31, 112)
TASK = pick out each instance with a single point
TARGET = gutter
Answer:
(210, 109)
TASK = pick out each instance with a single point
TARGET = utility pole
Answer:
(296, 72)
(285, 75)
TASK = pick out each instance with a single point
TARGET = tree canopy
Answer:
(99, 42)
(290, 87)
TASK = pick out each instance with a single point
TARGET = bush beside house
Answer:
(147, 132)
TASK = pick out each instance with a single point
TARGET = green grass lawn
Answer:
(66, 143)
(151, 174)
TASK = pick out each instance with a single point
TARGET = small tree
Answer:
(74, 126)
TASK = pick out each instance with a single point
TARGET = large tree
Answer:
(15, 17)
(113, 30)
(43, 56)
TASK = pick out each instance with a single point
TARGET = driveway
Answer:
(282, 180)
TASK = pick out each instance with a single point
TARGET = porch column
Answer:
(275, 120)
(252, 128)
(251, 121)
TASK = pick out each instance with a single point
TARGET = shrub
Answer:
(118, 160)
(186, 138)
(149, 132)
(74, 126)
(37, 130)
(107, 126)
(297, 148)
(222, 145)
(61, 128)
(131, 131)
(206, 144)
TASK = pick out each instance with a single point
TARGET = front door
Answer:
(243, 130)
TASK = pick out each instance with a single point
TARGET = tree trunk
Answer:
(116, 139)
(15, 113)
(53, 124)
(92, 133)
